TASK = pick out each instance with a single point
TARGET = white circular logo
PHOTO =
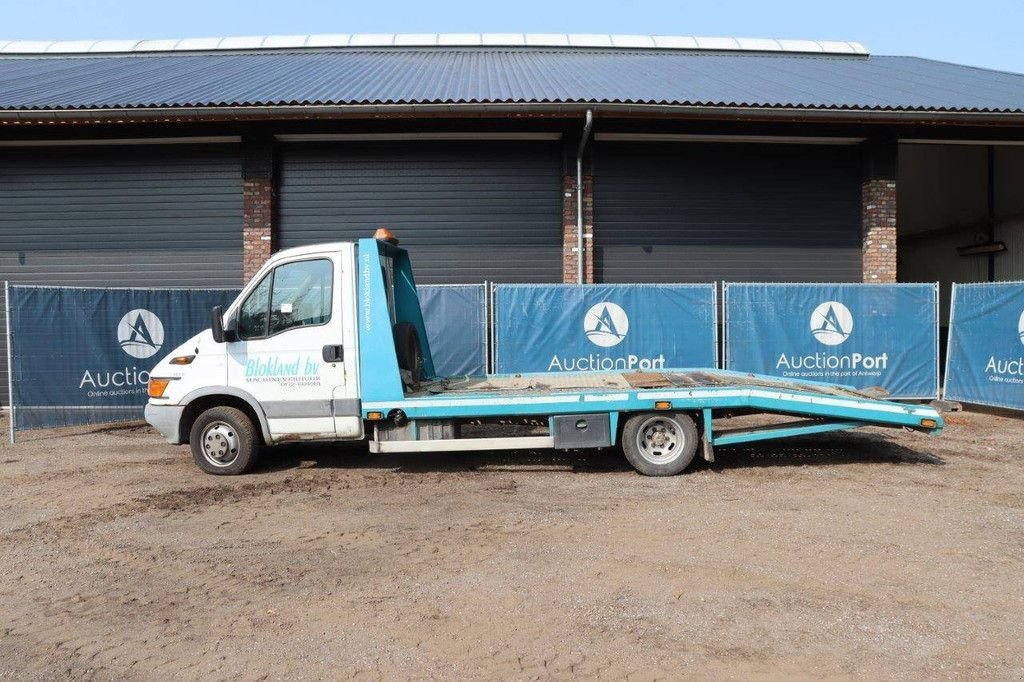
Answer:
(606, 324)
(140, 333)
(831, 323)
(1020, 327)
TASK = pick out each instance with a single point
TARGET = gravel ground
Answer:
(862, 555)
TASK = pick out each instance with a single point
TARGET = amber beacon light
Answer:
(383, 234)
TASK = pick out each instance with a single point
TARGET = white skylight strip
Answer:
(375, 40)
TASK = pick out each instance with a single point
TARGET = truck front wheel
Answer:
(660, 443)
(224, 441)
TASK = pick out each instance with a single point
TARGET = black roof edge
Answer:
(291, 112)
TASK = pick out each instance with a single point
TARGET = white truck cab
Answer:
(282, 356)
(327, 342)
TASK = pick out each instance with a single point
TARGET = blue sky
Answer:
(980, 32)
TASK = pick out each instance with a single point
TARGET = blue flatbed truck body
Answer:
(387, 296)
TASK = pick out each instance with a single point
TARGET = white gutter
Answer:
(981, 143)
(116, 141)
(384, 137)
(739, 139)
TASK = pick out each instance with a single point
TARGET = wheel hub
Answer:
(660, 440)
(220, 444)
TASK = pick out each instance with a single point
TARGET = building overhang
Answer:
(128, 115)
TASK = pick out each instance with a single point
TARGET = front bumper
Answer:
(166, 419)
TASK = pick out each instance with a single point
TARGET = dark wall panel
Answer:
(147, 216)
(468, 211)
(702, 212)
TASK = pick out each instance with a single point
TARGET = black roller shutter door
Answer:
(468, 211)
(703, 212)
(147, 216)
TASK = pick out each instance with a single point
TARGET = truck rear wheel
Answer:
(224, 441)
(660, 443)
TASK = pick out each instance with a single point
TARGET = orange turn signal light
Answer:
(929, 423)
(375, 416)
(183, 360)
(157, 387)
(662, 405)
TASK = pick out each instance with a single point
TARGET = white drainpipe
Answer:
(579, 195)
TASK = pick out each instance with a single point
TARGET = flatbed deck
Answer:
(506, 384)
(696, 390)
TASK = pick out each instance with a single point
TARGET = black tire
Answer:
(660, 443)
(232, 441)
(409, 350)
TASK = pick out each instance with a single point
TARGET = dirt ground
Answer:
(871, 554)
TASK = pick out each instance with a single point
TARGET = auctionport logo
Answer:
(140, 333)
(606, 324)
(831, 323)
(1008, 370)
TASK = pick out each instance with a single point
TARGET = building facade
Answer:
(187, 163)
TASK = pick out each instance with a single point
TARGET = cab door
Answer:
(290, 347)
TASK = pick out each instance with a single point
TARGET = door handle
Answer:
(334, 353)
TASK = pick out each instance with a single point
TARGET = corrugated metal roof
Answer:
(507, 75)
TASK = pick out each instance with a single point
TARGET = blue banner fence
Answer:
(604, 327)
(455, 316)
(81, 355)
(861, 335)
(985, 350)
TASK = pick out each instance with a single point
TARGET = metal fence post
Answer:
(10, 358)
(487, 327)
(949, 337)
(493, 324)
(724, 351)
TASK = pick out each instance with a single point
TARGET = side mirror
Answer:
(220, 334)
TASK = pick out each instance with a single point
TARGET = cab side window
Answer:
(291, 295)
(301, 295)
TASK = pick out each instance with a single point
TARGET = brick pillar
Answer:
(257, 204)
(878, 212)
(569, 229)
